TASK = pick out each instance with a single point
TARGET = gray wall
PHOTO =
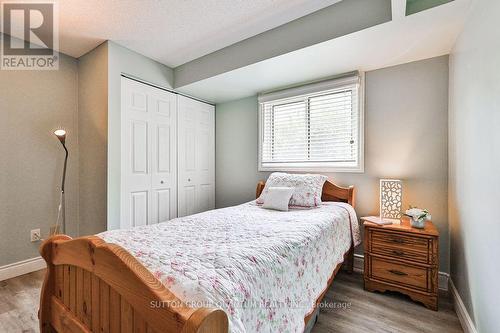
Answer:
(406, 131)
(83, 97)
(32, 105)
(474, 179)
(122, 60)
(93, 138)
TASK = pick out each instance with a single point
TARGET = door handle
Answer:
(395, 272)
(161, 182)
(189, 179)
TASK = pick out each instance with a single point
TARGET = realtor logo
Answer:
(30, 36)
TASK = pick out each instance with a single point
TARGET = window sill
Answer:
(316, 169)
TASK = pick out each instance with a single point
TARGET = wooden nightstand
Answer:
(404, 259)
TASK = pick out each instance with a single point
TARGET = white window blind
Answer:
(317, 130)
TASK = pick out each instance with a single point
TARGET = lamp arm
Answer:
(64, 169)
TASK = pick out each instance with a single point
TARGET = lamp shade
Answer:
(391, 194)
(61, 135)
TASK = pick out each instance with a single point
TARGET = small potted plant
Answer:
(418, 217)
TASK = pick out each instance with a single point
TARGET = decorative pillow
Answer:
(308, 188)
(278, 198)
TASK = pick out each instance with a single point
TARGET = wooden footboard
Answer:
(94, 286)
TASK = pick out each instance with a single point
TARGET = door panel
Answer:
(149, 154)
(196, 156)
(190, 200)
(138, 101)
(164, 171)
(190, 148)
(139, 140)
(204, 150)
(139, 208)
(162, 206)
(163, 148)
(205, 196)
(165, 107)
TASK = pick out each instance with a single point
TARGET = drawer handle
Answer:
(395, 272)
(397, 240)
(398, 253)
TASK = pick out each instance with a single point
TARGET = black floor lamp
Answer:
(61, 135)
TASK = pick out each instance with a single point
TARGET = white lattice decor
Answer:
(391, 193)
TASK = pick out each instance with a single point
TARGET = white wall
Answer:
(474, 164)
(406, 132)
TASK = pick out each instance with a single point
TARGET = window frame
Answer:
(307, 91)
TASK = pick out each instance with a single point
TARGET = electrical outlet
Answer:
(36, 235)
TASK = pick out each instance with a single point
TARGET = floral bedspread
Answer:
(264, 268)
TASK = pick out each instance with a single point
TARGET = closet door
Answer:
(149, 155)
(196, 156)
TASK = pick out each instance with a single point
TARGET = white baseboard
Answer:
(359, 267)
(462, 313)
(22, 267)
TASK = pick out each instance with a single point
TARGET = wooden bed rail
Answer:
(94, 286)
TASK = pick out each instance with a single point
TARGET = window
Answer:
(312, 128)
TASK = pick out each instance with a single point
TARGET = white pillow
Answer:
(308, 188)
(278, 198)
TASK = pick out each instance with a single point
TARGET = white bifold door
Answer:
(148, 154)
(196, 156)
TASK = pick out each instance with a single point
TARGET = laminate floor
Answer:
(355, 310)
(351, 309)
(19, 299)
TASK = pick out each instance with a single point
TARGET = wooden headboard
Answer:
(331, 192)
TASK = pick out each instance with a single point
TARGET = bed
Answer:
(242, 268)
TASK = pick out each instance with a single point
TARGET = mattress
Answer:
(264, 268)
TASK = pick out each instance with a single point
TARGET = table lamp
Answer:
(391, 193)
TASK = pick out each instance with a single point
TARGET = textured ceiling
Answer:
(172, 31)
(426, 34)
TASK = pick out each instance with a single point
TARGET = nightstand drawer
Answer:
(404, 259)
(408, 275)
(400, 253)
(395, 240)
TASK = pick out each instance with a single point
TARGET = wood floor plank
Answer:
(349, 308)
